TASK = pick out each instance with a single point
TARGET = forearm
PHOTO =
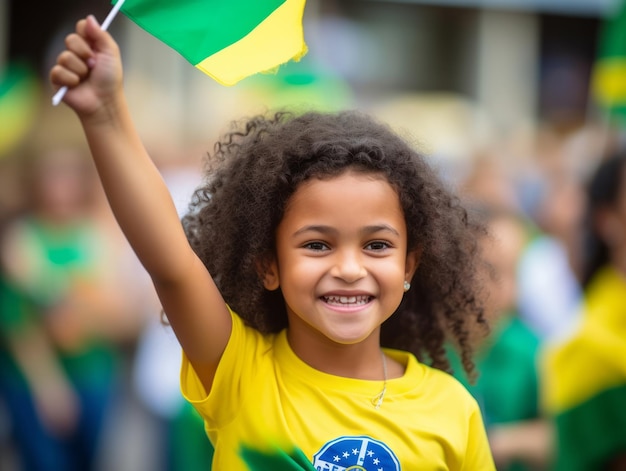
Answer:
(136, 192)
(91, 69)
(56, 402)
(36, 359)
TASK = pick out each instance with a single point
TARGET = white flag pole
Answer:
(58, 96)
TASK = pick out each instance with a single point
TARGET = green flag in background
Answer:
(226, 39)
(609, 75)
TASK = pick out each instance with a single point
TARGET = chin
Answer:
(349, 337)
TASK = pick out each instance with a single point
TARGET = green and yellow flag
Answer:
(19, 101)
(609, 74)
(228, 40)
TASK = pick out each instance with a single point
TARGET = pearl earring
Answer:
(407, 286)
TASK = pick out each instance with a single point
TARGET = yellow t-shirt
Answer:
(265, 399)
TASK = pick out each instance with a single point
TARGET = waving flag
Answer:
(584, 380)
(609, 74)
(226, 39)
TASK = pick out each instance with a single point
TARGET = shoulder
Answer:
(246, 345)
(449, 386)
(432, 384)
(248, 354)
(448, 411)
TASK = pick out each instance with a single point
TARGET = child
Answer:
(316, 240)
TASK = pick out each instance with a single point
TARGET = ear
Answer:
(268, 271)
(412, 262)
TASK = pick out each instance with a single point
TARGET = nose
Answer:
(348, 265)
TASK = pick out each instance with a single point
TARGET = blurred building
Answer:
(518, 61)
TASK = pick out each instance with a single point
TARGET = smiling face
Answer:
(341, 259)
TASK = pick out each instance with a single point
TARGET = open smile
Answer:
(347, 300)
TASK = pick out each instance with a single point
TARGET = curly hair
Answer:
(258, 165)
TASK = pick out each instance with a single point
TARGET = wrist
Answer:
(110, 109)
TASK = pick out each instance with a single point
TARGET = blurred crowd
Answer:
(89, 369)
(552, 380)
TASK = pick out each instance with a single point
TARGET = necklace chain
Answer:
(378, 399)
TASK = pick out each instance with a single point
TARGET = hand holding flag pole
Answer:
(58, 96)
(226, 39)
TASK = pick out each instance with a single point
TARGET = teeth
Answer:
(347, 299)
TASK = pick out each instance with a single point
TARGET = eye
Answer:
(316, 246)
(378, 246)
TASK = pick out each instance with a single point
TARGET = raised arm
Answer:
(91, 69)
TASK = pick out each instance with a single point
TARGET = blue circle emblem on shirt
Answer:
(355, 454)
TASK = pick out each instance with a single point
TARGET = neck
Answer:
(362, 360)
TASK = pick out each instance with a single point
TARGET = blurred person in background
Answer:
(585, 368)
(550, 200)
(66, 311)
(507, 388)
(553, 197)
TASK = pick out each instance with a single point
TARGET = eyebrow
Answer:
(331, 231)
